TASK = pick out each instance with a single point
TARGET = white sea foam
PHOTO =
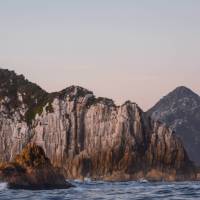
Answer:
(3, 186)
(142, 180)
(87, 180)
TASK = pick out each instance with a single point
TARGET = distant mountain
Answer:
(180, 109)
(87, 136)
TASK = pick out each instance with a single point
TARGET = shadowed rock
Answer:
(180, 110)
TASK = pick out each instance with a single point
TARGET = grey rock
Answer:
(180, 110)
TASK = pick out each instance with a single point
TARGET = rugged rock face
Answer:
(92, 137)
(32, 170)
(20, 100)
(180, 109)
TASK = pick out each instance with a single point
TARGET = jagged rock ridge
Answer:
(92, 137)
(180, 109)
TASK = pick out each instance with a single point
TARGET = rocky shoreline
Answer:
(32, 170)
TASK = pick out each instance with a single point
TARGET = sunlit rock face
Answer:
(92, 137)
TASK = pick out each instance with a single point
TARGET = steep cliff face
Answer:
(95, 138)
(92, 137)
(20, 100)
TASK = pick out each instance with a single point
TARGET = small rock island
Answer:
(31, 169)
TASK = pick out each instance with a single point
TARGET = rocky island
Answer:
(85, 136)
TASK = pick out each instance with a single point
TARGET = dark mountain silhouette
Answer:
(180, 109)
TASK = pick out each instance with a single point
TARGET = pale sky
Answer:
(136, 50)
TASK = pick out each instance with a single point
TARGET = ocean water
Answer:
(110, 191)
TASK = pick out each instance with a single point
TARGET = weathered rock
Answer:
(92, 137)
(32, 170)
(180, 110)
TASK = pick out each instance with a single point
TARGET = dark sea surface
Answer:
(110, 191)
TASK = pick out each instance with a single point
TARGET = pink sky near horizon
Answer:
(144, 90)
(124, 50)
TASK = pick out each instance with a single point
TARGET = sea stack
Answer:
(31, 169)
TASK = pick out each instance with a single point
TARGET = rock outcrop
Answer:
(92, 137)
(180, 110)
(32, 170)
